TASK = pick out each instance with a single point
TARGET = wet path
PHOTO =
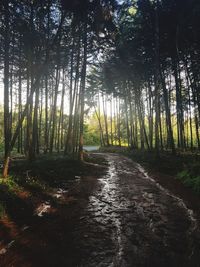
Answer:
(114, 216)
(132, 221)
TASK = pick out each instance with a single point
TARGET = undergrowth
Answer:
(190, 176)
(10, 183)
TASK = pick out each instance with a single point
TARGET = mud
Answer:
(141, 223)
(118, 219)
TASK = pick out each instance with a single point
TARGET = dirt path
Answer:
(141, 223)
(124, 219)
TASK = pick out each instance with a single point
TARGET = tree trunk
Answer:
(82, 91)
(6, 90)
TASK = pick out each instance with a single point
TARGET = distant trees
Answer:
(154, 71)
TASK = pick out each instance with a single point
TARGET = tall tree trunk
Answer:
(168, 114)
(82, 91)
(19, 148)
(105, 120)
(156, 79)
(111, 120)
(60, 129)
(6, 89)
(54, 111)
(126, 115)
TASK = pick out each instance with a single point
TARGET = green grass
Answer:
(10, 183)
(190, 176)
(8, 191)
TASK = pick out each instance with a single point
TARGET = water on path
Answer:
(131, 220)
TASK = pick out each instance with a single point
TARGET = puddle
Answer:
(25, 228)
(43, 209)
(59, 193)
(5, 249)
(11, 243)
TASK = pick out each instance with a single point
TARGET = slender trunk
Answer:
(111, 120)
(6, 90)
(19, 148)
(54, 113)
(35, 125)
(60, 126)
(156, 79)
(105, 120)
(168, 114)
(118, 122)
(127, 119)
(82, 91)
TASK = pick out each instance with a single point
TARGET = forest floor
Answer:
(105, 212)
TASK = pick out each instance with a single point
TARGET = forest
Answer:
(122, 75)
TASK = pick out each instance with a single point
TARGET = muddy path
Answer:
(133, 221)
(125, 218)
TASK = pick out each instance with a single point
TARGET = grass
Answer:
(190, 176)
(10, 183)
(9, 189)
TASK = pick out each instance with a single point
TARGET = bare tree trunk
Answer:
(118, 122)
(105, 119)
(54, 113)
(6, 90)
(82, 91)
(111, 119)
(168, 114)
(156, 80)
(60, 129)
(127, 119)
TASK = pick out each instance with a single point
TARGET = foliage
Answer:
(190, 176)
(10, 183)
(91, 136)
